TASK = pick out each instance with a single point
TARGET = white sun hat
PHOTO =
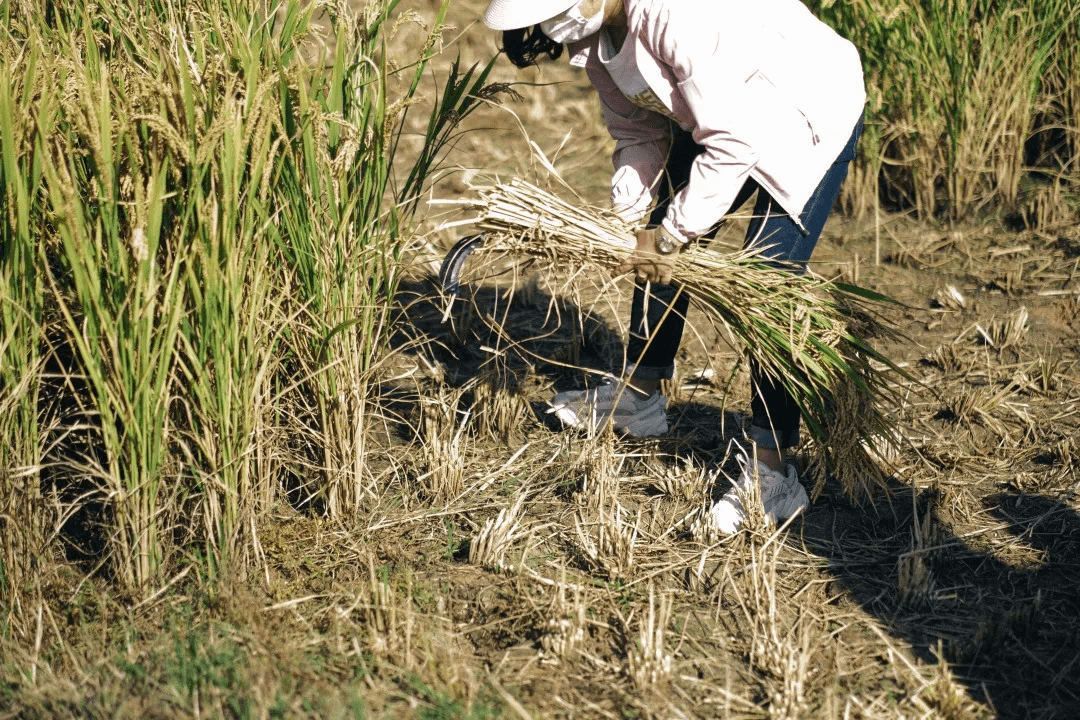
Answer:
(514, 14)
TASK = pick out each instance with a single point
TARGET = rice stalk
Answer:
(785, 655)
(231, 341)
(950, 298)
(499, 412)
(755, 522)
(494, 541)
(442, 448)
(795, 663)
(564, 631)
(946, 694)
(1007, 332)
(808, 333)
(389, 617)
(22, 512)
(344, 220)
(164, 182)
(953, 148)
(214, 228)
(599, 466)
(702, 527)
(338, 247)
(682, 480)
(606, 537)
(914, 576)
(648, 662)
(1046, 206)
(122, 300)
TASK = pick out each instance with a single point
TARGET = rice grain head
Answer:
(848, 452)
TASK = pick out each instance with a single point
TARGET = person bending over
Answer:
(709, 102)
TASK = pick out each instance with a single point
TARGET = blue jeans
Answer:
(657, 318)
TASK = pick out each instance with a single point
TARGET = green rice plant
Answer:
(117, 289)
(343, 224)
(337, 244)
(157, 182)
(1068, 67)
(994, 71)
(1061, 100)
(215, 225)
(955, 92)
(21, 318)
(881, 29)
(875, 32)
(230, 121)
(463, 92)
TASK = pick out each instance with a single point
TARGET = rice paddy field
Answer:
(254, 464)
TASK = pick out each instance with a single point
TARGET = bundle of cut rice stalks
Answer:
(804, 331)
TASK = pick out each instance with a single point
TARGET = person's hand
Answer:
(649, 264)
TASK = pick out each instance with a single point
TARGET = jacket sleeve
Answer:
(710, 73)
(642, 140)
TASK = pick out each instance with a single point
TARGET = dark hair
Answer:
(525, 46)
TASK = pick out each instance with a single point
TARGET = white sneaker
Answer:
(590, 409)
(781, 495)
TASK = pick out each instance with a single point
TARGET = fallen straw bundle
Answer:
(804, 331)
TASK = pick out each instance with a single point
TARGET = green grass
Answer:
(203, 662)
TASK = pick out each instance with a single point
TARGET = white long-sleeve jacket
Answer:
(771, 92)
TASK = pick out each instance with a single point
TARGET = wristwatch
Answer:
(667, 245)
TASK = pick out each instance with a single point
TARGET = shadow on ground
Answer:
(1009, 629)
(999, 605)
(522, 329)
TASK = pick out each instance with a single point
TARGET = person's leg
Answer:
(775, 414)
(658, 312)
(657, 315)
(775, 423)
(657, 318)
